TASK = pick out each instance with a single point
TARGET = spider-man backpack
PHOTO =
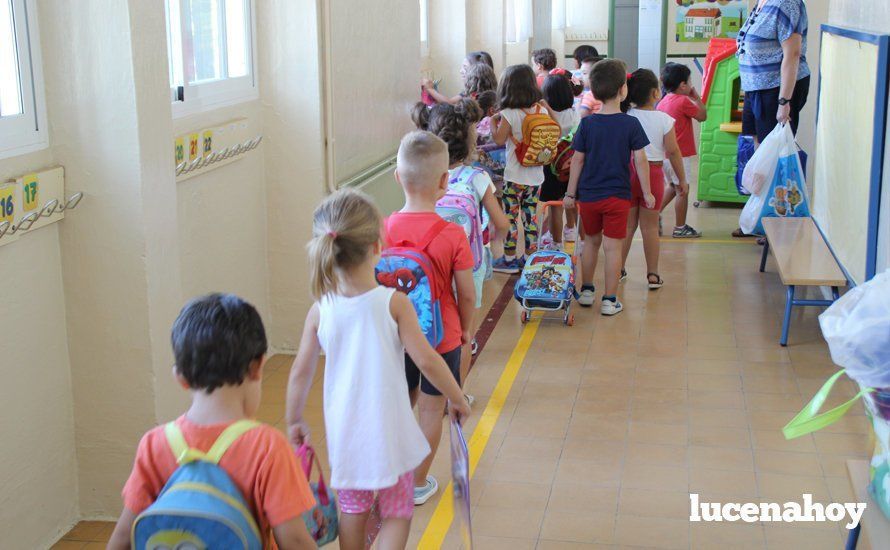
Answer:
(406, 267)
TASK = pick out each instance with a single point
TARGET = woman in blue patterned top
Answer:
(772, 48)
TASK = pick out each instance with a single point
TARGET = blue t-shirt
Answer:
(607, 142)
(760, 43)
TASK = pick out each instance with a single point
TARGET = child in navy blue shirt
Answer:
(600, 180)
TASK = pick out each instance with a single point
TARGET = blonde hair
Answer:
(344, 228)
(417, 160)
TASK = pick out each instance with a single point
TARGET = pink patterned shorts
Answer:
(395, 502)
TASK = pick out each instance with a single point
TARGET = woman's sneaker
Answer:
(502, 265)
(685, 232)
(611, 307)
(569, 234)
(423, 494)
(587, 297)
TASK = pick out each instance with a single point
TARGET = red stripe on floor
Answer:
(493, 316)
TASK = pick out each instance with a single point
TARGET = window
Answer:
(211, 48)
(424, 28)
(22, 109)
(518, 20)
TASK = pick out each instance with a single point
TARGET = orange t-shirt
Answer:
(261, 463)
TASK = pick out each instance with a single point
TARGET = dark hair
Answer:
(451, 123)
(606, 79)
(558, 92)
(215, 338)
(480, 57)
(584, 51)
(577, 88)
(518, 88)
(480, 78)
(487, 100)
(640, 84)
(546, 58)
(673, 75)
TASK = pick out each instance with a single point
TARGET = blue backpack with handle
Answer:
(200, 506)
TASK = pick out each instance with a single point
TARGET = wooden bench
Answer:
(873, 527)
(803, 259)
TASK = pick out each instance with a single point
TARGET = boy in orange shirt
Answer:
(422, 171)
(220, 348)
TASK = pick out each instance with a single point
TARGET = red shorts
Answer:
(608, 216)
(656, 183)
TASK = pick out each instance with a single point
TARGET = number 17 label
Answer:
(30, 192)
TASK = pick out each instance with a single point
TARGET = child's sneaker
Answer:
(569, 234)
(502, 265)
(623, 276)
(587, 297)
(686, 232)
(546, 242)
(474, 347)
(423, 494)
(611, 307)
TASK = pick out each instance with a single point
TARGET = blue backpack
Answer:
(406, 267)
(199, 506)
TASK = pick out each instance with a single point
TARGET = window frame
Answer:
(207, 96)
(26, 132)
(424, 28)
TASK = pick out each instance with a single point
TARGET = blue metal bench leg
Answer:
(834, 293)
(853, 538)
(786, 323)
(764, 256)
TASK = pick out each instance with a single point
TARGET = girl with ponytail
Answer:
(374, 442)
(643, 93)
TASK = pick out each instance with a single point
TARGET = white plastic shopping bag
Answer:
(775, 178)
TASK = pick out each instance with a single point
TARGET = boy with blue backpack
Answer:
(424, 248)
(213, 478)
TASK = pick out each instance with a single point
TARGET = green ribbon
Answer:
(809, 420)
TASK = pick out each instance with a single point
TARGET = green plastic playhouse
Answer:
(721, 90)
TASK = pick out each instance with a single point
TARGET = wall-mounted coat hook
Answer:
(71, 203)
(4, 227)
(26, 222)
(218, 156)
(49, 208)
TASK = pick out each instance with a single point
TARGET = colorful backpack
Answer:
(562, 160)
(199, 506)
(406, 267)
(321, 521)
(546, 281)
(540, 136)
(460, 206)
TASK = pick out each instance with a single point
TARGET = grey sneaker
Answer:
(686, 232)
(423, 494)
(611, 308)
(587, 297)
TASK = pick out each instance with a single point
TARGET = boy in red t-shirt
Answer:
(219, 344)
(422, 171)
(683, 103)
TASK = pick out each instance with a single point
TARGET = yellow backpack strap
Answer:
(229, 436)
(185, 454)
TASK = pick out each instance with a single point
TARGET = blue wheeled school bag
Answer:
(547, 281)
(199, 506)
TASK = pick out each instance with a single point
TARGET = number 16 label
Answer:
(30, 192)
(7, 204)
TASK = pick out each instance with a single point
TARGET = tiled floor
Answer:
(611, 423)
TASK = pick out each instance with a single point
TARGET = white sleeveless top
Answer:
(371, 432)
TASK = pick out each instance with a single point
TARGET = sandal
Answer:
(739, 234)
(659, 282)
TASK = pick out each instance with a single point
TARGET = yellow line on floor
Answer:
(440, 522)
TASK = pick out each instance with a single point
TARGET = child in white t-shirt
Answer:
(643, 93)
(518, 95)
(559, 94)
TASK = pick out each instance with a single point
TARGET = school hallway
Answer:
(593, 436)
